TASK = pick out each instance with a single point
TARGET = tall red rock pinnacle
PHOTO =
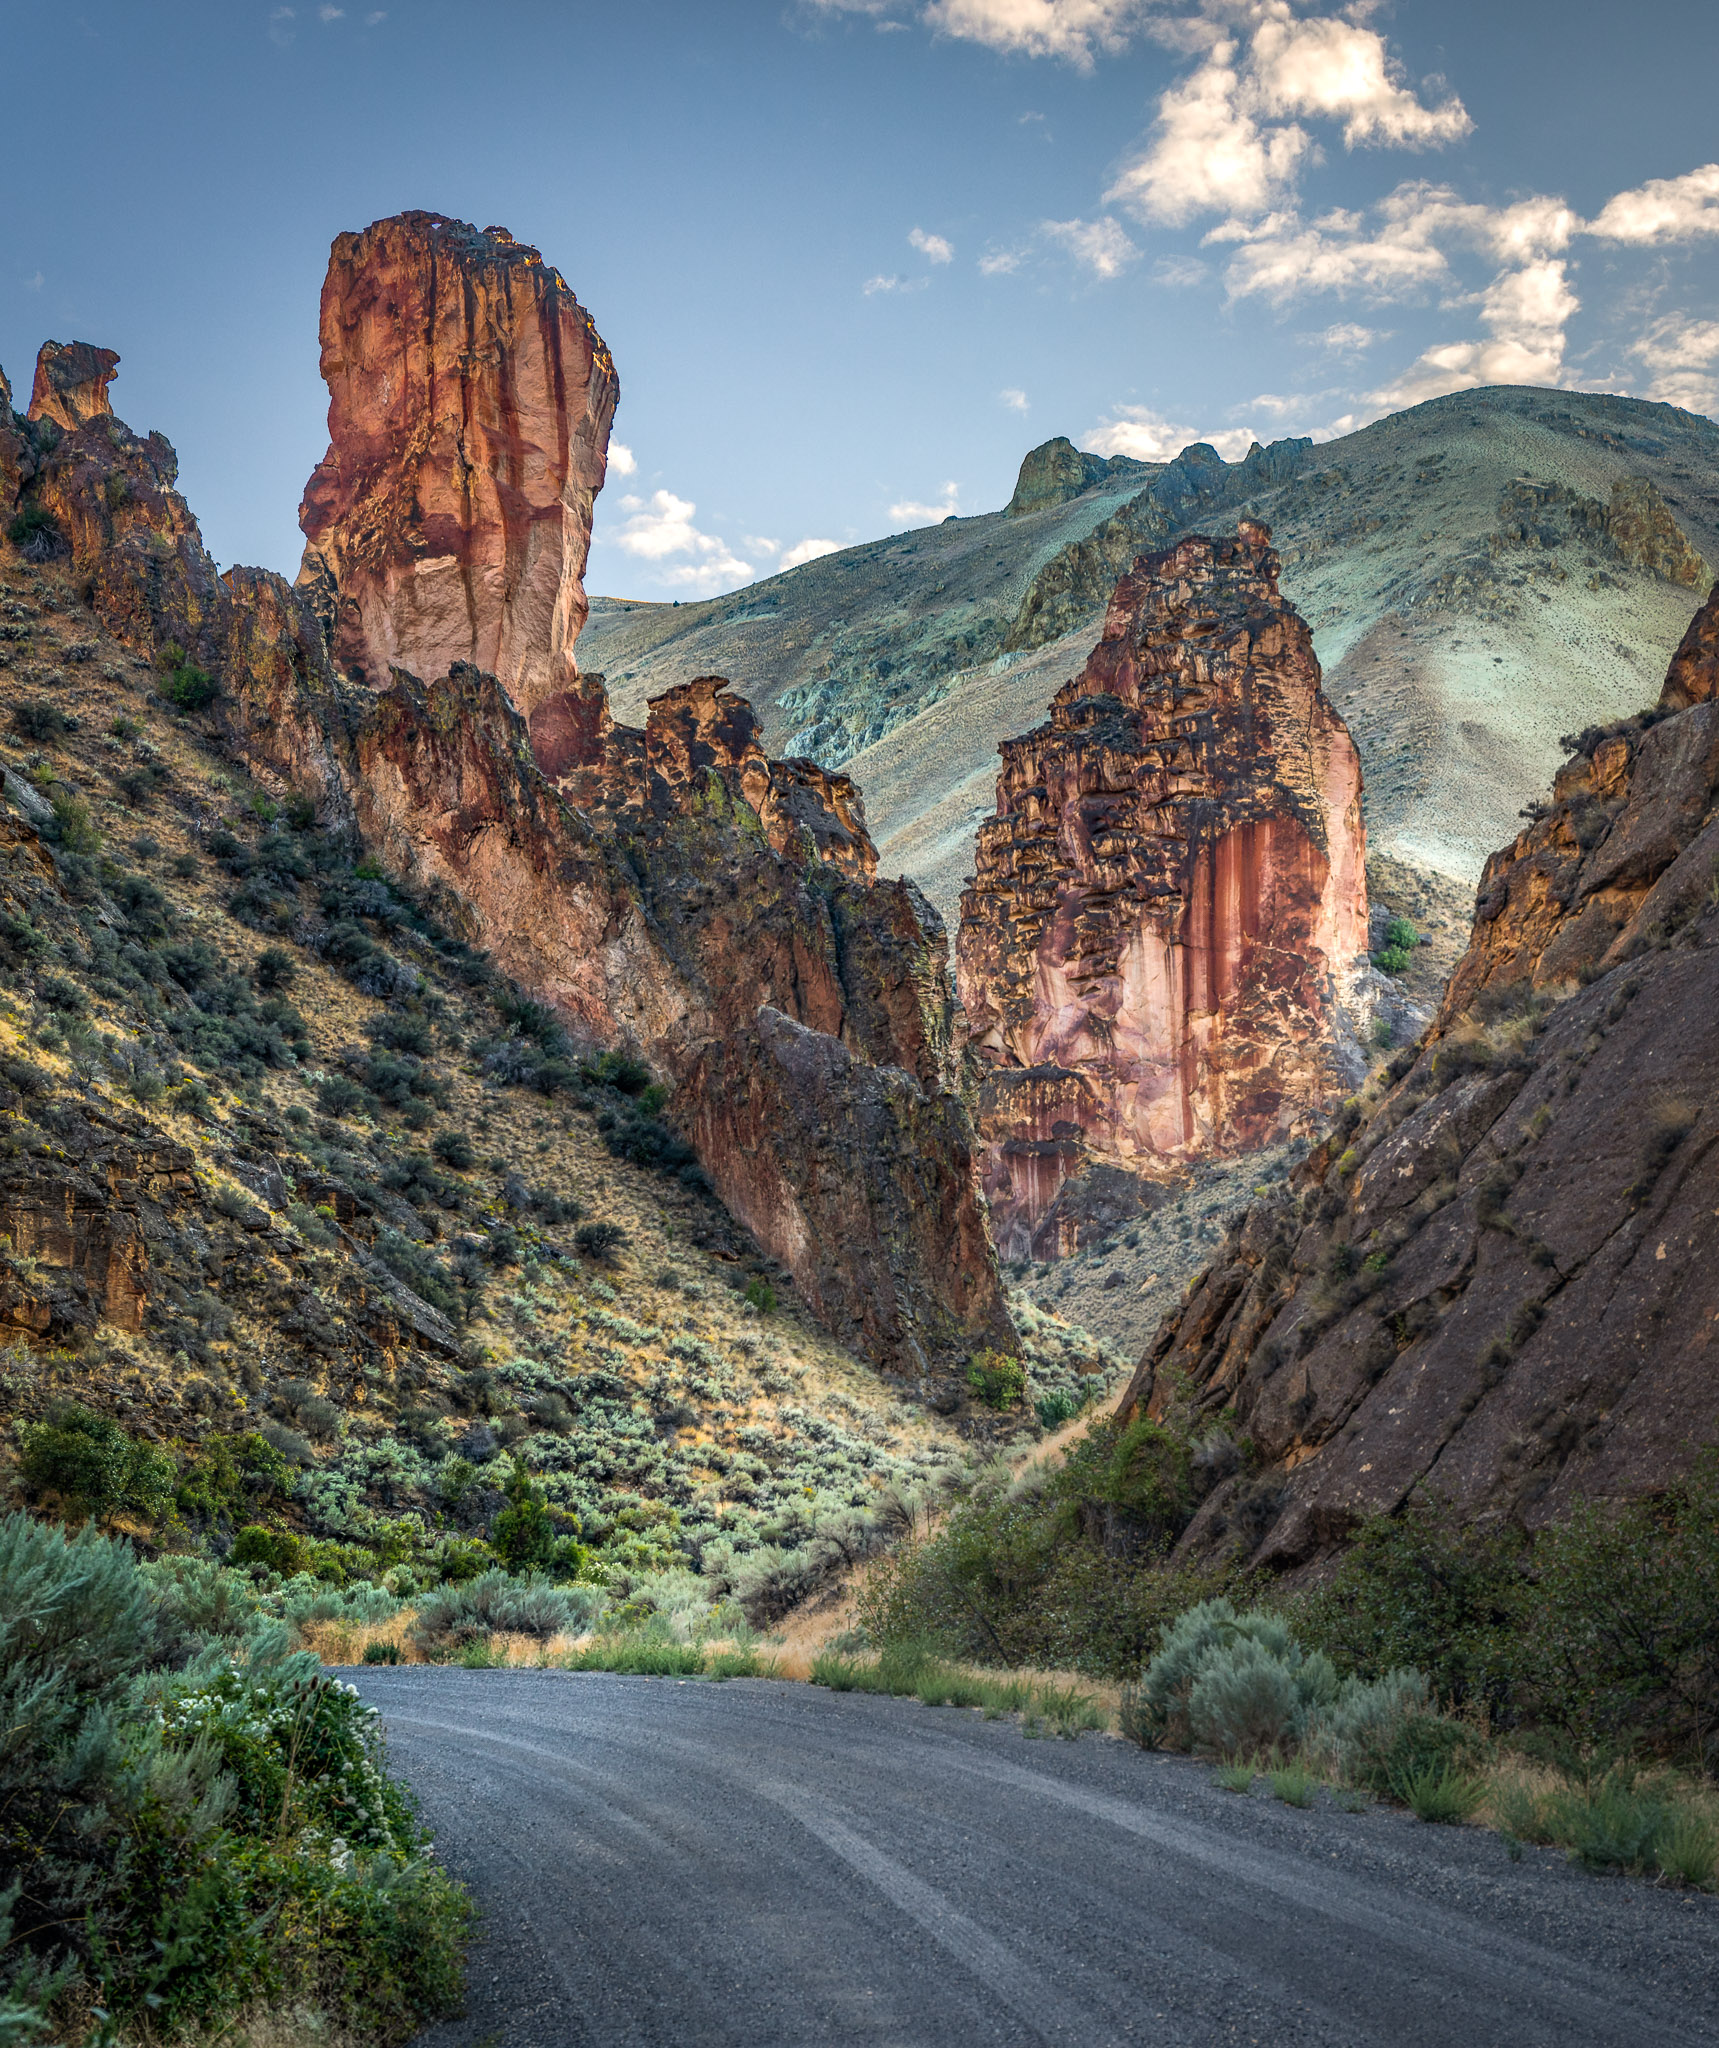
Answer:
(71, 383)
(1172, 893)
(470, 398)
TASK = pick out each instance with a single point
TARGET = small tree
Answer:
(93, 1466)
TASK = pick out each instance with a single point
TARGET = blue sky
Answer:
(853, 257)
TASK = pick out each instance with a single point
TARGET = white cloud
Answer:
(1227, 138)
(1684, 355)
(661, 527)
(1075, 30)
(35, 284)
(892, 283)
(933, 246)
(1662, 210)
(928, 515)
(807, 550)
(1100, 245)
(331, 14)
(1000, 263)
(1179, 272)
(1149, 437)
(622, 460)
(1526, 312)
(1346, 338)
(1016, 401)
(372, 20)
(281, 30)
(760, 544)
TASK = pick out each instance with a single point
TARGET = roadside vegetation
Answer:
(1561, 1687)
(199, 1820)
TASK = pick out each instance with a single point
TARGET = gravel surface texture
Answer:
(764, 1863)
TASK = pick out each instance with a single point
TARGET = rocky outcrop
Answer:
(1057, 470)
(1079, 577)
(1636, 527)
(1172, 895)
(1623, 848)
(1498, 1278)
(662, 889)
(71, 383)
(470, 397)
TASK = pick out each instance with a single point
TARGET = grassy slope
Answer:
(756, 1427)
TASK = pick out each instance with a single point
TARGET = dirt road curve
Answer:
(767, 1864)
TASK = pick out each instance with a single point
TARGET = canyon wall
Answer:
(1171, 898)
(1499, 1278)
(670, 890)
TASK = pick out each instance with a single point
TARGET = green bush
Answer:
(1401, 936)
(181, 1844)
(524, 1533)
(996, 1379)
(495, 1604)
(761, 1295)
(1392, 960)
(1053, 1410)
(93, 1467)
(1439, 1792)
(185, 685)
(276, 1550)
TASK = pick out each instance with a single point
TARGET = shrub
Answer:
(39, 721)
(1392, 960)
(761, 1295)
(454, 1149)
(198, 1841)
(275, 969)
(599, 1241)
(184, 685)
(338, 1095)
(277, 1550)
(1401, 936)
(996, 1379)
(1251, 1696)
(381, 1653)
(495, 1604)
(88, 1461)
(74, 829)
(1053, 1410)
(36, 535)
(524, 1535)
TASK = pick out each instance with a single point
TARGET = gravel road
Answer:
(761, 1863)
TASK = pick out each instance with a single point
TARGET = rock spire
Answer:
(1171, 896)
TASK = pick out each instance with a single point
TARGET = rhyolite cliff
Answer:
(469, 402)
(1170, 901)
(669, 891)
(1499, 1278)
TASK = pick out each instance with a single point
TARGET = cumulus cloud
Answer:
(622, 460)
(1228, 138)
(1075, 30)
(1663, 210)
(331, 14)
(1150, 437)
(1016, 401)
(281, 29)
(661, 527)
(1526, 312)
(1683, 354)
(891, 283)
(808, 550)
(932, 246)
(949, 505)
(1101, 246)
(999, 262)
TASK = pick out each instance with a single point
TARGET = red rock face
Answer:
(1172, 894)
(71, 383)
(470, 398)
(1500, 1281)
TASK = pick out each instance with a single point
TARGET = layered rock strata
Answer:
(1171, 897)
(1500, 1277)
(470, 397)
